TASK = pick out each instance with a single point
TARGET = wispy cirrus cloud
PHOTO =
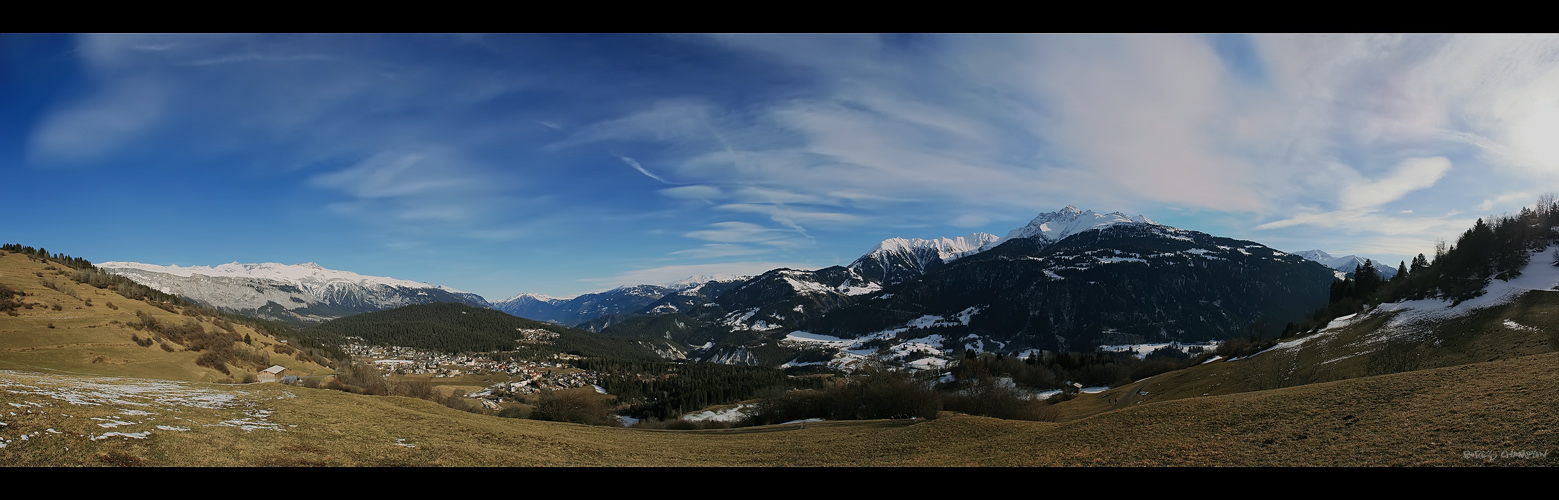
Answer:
(636, 166)
(98, 125)
(671, 273)
(805, 148)
(744, 232)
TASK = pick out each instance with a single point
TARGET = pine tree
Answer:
(1366, 280)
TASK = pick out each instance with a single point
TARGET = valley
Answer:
(760, 250)
(1430, 381)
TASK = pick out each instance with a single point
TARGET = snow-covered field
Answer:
(127, 408)
(726, 415)
(1141, 350)
(1539, 275)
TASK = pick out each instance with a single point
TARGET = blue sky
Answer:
(562, 164)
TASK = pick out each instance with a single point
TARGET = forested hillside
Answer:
(452, 327)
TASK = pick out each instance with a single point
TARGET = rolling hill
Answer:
(58, 324)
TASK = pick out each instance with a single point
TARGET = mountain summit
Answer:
(1347, 263)
(298, 292)
(1056, 226)
(898, 259)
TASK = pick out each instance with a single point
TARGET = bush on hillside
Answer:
(575, 406)
(992, 398)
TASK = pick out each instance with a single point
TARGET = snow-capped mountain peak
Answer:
(898, 259)
(538, 297)
(947, 249)
(308, 292)
(1347, 263)
(1055, 226)
(306, 275)
(700, 279)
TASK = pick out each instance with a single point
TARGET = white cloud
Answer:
(1375, 223)
(1410, 175)
(665, 120)
(719, 250)
(668, 274)
(99, 124)
(429, 186)
(1520, 198)
(743, 232)
(694, 192)
(969, 220)
(636, 166)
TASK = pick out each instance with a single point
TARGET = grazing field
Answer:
(63, 326)
(1493, 413)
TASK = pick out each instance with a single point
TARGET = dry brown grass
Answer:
(99, 341)
(1477, 414)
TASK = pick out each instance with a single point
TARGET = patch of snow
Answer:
(1517, 326)
(726, 415)
(136, 435)
(1537, 276)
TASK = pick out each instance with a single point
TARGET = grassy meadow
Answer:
(77, 390)
(1491, 413)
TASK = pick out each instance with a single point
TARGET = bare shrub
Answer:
(872, 393)
(992, 398)
(1395, 356)
(883, 393)
(789, 406)
(213, 360)
(575, 406)
(420, 389)
(361, 378)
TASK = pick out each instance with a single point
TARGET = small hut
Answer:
(272, 374)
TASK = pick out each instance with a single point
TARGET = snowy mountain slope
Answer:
(676, 296)
(898, 259)
(1056, 226)
(298, 292)
(1068, 279)
(1347, 263)
(1109, 279)
(1538, 276)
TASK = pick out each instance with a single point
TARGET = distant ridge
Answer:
(297, 292)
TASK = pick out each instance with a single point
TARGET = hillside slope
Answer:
(63, 326)
(1495, 413)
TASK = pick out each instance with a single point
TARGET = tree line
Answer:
(1496, 248)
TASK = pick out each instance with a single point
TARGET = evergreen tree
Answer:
(1365, 280)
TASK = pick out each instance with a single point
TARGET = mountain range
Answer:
(1346, 264)
(1069, 279)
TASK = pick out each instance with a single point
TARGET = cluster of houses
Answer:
(543, 381)
(526, 377)
(532, 376)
